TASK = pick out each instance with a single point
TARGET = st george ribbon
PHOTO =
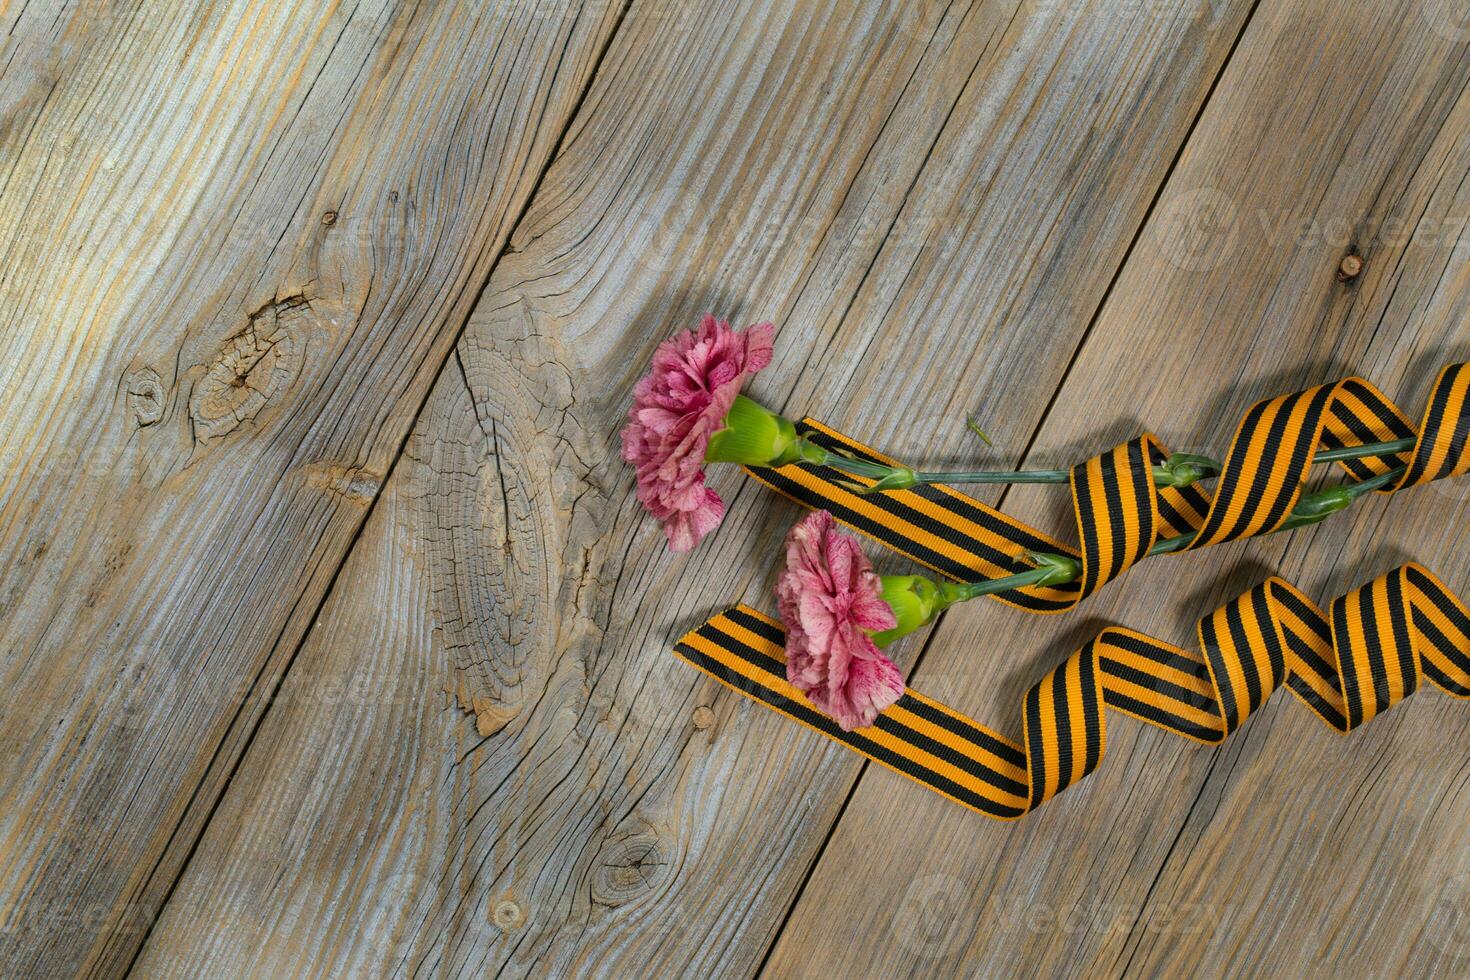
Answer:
(1346, 664)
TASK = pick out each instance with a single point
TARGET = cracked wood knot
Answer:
(356, 484)
(257, 364)
(628, 869)
(145, 396)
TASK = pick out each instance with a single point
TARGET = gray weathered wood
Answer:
(931, 200)
(1288, 851)
(236, 243)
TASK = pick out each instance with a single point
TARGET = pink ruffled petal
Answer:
(872, 685)
(870, 612)
(682, 401)
(759, 346)
(830, 599)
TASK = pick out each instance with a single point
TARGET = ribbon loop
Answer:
(1268, 462)
(1346, 668)
(1113, 496)
(1264, 471)
(1443, 449)
(1347, 665)
(1244, 652)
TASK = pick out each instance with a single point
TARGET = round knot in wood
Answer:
(145, 396)
(629, 869)
(507, 914)
(256, 365)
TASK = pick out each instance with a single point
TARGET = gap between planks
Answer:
(1025, 454)
(452, 353)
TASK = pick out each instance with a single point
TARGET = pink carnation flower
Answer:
(829, 598)
(677, 406)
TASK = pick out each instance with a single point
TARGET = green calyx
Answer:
(1322, 503)
(1313, 507)
(1183, 469)
(902, 478)
(915, 602)
(1054, 569)
(754, 436)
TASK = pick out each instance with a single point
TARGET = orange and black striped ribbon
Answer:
(1368, 654)
(1119, 510)
(1347, 664)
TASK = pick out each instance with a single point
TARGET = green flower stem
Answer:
(1049, 570)
(918, 601)
(1179, 470)
(753, 435)
(1309, 509)
(1058, 569)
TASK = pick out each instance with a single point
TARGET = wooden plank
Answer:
(854, 171)
(1288, 848)
(237, 241)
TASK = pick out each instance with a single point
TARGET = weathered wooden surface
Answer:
(1077, 220)
(1289, 850)
(237, 241)
(858, 176)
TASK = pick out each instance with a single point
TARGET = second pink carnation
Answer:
(830, 600)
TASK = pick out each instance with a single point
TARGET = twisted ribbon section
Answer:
(1120, 512)
(1347, 664)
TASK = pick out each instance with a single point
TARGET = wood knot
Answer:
(629, 869)
(357, 485)
(1350, 267)
(703, 717)
(256, 365)
(329, 218)
(146, 396)
(507, 914)
(492, 715)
